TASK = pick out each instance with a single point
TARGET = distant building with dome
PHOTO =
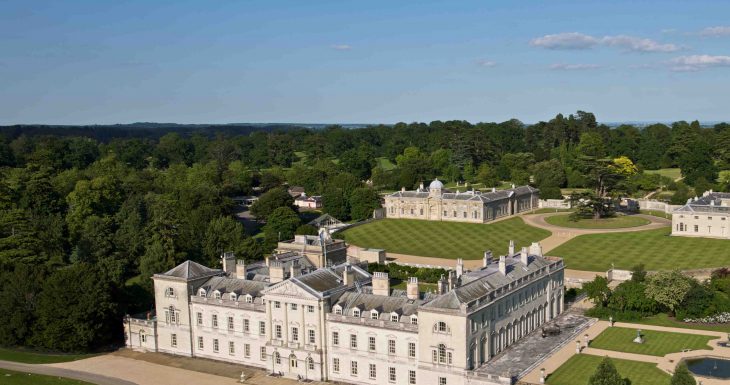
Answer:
(436, 203)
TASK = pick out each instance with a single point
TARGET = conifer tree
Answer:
(682, 376)
(606, 374)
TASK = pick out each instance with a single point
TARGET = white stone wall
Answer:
(381, 356)
(173, 332)
(240, 337)
(710, 225)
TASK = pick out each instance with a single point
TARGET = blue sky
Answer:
(84, 62)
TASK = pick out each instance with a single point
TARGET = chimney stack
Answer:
(228, 260)
(295, 270)
(276, 272)
(241, 269)
(536, 249)
(381, 283)
(524, 256)
(348, 276)
(412, 288)
(503, 265)
(459, 267)
(487, 258)
(420, 187)
(442, 285)
(511, 250)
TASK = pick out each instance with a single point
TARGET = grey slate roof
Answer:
(191, 270)
(329, 278)
(233, 285)
(383, 304)
(480, 283)
(710, 202)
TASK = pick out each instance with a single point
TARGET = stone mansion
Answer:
(341, 323)
(438, 204)
(706, 216)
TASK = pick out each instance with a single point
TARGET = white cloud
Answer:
(486, 63)
(575, 40)
(698, 62)
(567, 40)
(716, 31)
(638, 44)
(573, 67)
(341, 47)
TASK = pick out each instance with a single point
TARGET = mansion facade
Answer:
(342, 323)
(706, 216)
(438, 204)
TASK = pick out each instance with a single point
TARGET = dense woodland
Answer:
(86, 219)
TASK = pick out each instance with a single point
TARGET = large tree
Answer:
(606, 374)
(270, 201)
(668, 288)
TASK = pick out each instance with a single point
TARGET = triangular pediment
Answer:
(289, 289)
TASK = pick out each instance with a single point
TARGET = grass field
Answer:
(673, 173)
(664, 320)
(579, 368)
(618, 222)
(31, 357)
(443, 239)
(656, 213)
(656, 343)
(385, 163)
(656, 249)
(10, 377)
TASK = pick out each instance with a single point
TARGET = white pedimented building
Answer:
(706, 216)
(341, 323)
(435, 203)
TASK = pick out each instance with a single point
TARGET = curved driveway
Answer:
(563, 234)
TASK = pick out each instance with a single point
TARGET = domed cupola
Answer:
(435, 188)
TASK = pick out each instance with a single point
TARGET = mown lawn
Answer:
(656, 249)
(580, 367)
(10, 377)
(31, 357)
(657, 213)
(656, 343)
(673, 173)
(444, 239)
(664, 320)
(617, 222)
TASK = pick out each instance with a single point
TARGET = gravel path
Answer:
(81, 375)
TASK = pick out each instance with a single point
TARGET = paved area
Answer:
(47, 370)
(666, 363)
(530, 351)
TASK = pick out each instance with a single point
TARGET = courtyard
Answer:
(448, 240)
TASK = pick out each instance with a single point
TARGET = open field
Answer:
(673, 173)
(579, 368)
(618, 222)
(656, 249)
(444, 239)
(656, 343)
(385, 163)
(10, 377)
(31, 357)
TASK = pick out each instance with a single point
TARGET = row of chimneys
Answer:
(237, 268)
(381, 283)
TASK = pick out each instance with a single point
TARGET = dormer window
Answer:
(338, 310)
(233, 296)
(217, 294)
(249, 299)
(356, 312)
(202, 293)
(169, 292)
(414, 320)
(373, 314)
(394, 317)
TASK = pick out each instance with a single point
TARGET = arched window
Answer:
(440, 327)
(202, 293)
(442, 353)
(170, 292)
(293, 361)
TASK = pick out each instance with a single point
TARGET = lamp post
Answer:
(542, 375)
(577, 347)
(585, 338)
